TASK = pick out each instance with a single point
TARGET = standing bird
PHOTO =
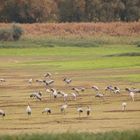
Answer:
(2, 113)
(78, 90)
(109, 88)
(67, 80)
(116, 90)
(28, 110)
(65, 95)
(82, 89)
(39, 80)
(88, 110)
(124, 106)
(53, 93)
(74, 96)
(100, 95)
(2, 80)
(36, 95)
(132, 95)
(128, 89)
(48, 90)
(135, 90)
(30, 81)
(95, 88)
(80, 110)
(47, 110)
(63, 108)
(48, 82)
(47, 75)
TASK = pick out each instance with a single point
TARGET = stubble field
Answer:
(102, 64)
(86, 67)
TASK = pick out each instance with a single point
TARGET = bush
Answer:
(138, 44)
(6, 35)
(17, 32)
(11, 34)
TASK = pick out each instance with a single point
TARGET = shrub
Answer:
(6, 35)
(138, 44)
(17, 32)
(11, 34)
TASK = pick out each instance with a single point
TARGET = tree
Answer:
(71, 10)
(29, 11)
(131, 11)
(92, 10)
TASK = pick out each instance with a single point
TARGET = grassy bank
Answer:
(126, 135)
(69, 58)
(68, 41)
(75, 34)
(111, 56)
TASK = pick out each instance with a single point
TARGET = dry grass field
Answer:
(80, 29)
(104, 65)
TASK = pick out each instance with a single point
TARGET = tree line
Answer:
(30, 11)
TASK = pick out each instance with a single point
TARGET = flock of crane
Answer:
(54, 93)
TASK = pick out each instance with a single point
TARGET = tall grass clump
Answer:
(16, 32)
(6, 35)
(138, 44)
(11, 34)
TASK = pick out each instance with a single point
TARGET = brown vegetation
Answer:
(81, 29)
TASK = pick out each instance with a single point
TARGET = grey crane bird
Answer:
(39, 80)
(28, 110)
(74, 96)
(80, 111)
(67, 80)
(36, 95)
(2, 113)
(95, 88)
(30, 81)
(48, 82)
(135, 90)
(63, 108)
(47, 75)
(54, 92)
(88, 110)
(78, 90)
(109, 88)
(124, 106)
(64, 95)
(47, 110)
(2, 80)
(131, 93)
(99, 95)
